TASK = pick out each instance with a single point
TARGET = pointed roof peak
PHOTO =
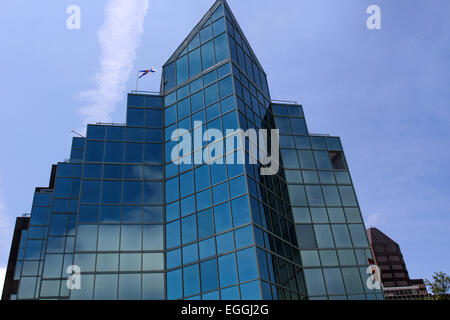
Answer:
(217, 10)
(194, 31)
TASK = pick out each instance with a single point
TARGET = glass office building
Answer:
(141, 226)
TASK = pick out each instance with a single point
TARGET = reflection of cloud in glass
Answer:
(153, 237)
(153, 193)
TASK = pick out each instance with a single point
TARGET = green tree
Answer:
(440, 285)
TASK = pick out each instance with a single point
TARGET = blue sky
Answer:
(384, 92)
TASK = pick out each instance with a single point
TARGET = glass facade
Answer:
(142, 226)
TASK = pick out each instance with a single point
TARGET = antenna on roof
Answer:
(79, 134)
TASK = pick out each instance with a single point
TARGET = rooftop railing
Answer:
(284, 101)
(145, 92)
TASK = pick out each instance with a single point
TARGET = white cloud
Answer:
(373, 220)
(2, 279)
(118, 37)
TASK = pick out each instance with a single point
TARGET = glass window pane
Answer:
(211, 94)
(227, 270)
(208, 55)
(130, 261)
(134, 152)
(220, 193)
(341, 236)
(219, 27)
(105, 287)
(86, 262)
(173, 259)
(191, 278)
(247, 265)
(205, 34)
(153, 192)
(189, 229)
(205, 224)
(322, 159)
(110, 214)
(195, 66)
(319, 215)
(347, 257)
(108, 239)
(331, 195)
(173, 234)
(306, 159)
(197, 103)
(130, 287)
(153, 237)
(94, 151)
(131, 238)
(299, 126)
(153, 214)
(314, 281)
(153, 118)
(348, 196)
(222, 51)
(225, 87)
(27, 288)
(132, 192)
(86, 291)
(108, 262)
(174, 285)
(222, 217)
(50, 288)
(230, 293)
(301, 215)
(342, 177)
(172, 190)
(290, 159)
(182, 70)
(336, 215)
(209, 276)
(353, 215)
(241, 211)
(225, 243)
(334, 282)
(283, 125)
(153, 286)
(53, 266)
(203, 199)
(186, 184)
(90, 192)
(86, 238)
(190, 253)
(305, 236)
(112, 192)
(297, 195)
(323, 236)
(207, 248)
(244, 237)
(251, 291)
(314, 194)
(187, 206)
(172, 211)
(358, 234)
(218, 13)
(329, 258)
(352, 280)
(169, 76)
(183, 109)
(135, 117)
